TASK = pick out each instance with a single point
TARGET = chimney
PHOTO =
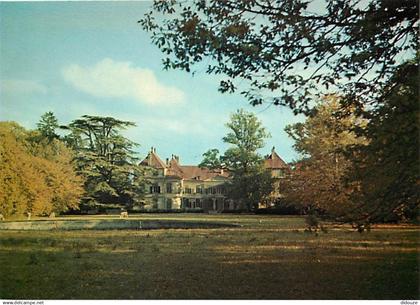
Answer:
(273, 149)
(177, 158)
(167, 161)
(154, 149)
(151, 149)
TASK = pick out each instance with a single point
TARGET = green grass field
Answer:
(269, 257)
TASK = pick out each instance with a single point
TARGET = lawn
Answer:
(269, 257)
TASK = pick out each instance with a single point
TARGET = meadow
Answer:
(268, 257)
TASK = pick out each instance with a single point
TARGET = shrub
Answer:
(312, 223)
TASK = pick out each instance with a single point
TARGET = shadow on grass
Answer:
(268, 260)
(155, 268)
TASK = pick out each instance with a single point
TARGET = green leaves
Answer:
(252, 187)
(388, 166)
(264, 44)
(246, 131)
(211, 159)
(47, 126)
(227, 86)
(250, 183)
(106, 159)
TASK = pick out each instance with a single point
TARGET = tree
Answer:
(250, 183)
(211, 159)
(292, 53)
(246, 136)
(252, 188)
(288, 50)
(388, 167)
(106, 159)
(47, 126)
(35, 177)
(325, 140)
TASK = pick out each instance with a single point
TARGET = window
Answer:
(198, 203)
(199, 190)
(188, 190)
(169, 188)
(185, 203)
(168, 203)
(154, 189)
(220, 189)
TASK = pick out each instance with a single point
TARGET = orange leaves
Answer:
(35, 177)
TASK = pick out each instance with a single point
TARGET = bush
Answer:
(313, 224)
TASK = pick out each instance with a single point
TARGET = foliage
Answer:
(35, 177)
(106, 159)
(317, 182)
(47, 126)
(312, 223)
(246, 135)
(211, 159)
(265, 43)
(250, 183)
(251, 188)
(388, 166)
(291, 53)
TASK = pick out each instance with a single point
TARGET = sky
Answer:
(77, 58)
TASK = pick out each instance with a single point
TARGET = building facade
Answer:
(173, 186)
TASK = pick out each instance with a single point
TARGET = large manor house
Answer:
(173, 186)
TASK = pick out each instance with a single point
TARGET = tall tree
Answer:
(106, 159)
(266, 43)
(293, 52)
(47, 126)
(250, 183)
(388, 167)
(246, 135)
(324, 141)
(35, 177)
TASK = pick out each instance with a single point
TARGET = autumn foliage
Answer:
(318, 181)
(36, 175)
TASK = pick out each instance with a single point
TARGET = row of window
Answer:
(204, 204)
(186, 203)
(220, 189)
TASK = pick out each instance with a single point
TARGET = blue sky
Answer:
(76, 58)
